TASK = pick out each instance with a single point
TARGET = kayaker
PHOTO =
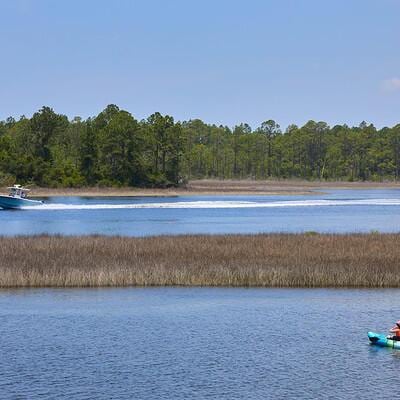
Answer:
(396, 331)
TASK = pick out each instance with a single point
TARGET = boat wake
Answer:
(218, 204)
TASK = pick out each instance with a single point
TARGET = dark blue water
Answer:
(339, 211)
(172, 343)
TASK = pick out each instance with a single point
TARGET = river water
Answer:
(333, 211)
(199, 343)
(196, 343)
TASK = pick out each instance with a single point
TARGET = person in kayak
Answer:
(395, 331)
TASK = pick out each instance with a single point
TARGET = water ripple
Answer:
(195, 343)
(219, 204)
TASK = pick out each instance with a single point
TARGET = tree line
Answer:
(115, 149)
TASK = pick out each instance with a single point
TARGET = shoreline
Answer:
(307, 260)
(217, 187)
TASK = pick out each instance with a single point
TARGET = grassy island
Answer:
(270, 260)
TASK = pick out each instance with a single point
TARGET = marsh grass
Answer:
(275, 260)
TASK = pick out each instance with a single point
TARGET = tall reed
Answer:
(275, 260)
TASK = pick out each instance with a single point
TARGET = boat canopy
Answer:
(18, 191)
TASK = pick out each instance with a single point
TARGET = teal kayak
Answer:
(381, 340)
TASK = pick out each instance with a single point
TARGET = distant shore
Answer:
(219, 187)
(271, 260)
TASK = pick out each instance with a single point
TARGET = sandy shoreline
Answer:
(217, 187)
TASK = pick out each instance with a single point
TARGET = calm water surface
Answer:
(335, 211)
(172, 343)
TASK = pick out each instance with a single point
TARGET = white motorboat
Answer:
(17, 198)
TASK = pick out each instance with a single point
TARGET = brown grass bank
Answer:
(214, 186)
(276, 260)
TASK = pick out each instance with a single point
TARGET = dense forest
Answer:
(115, 149)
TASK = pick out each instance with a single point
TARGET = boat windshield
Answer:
(18, 191)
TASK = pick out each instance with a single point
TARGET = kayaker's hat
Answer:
(398, 324)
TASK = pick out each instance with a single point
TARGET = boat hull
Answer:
(9, 202)
(378, 339)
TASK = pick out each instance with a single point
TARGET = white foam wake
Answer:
(219, 204)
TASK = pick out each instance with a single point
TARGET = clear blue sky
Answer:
(224, 61)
